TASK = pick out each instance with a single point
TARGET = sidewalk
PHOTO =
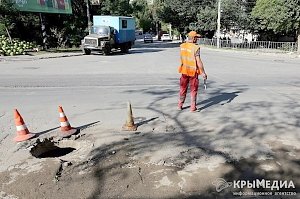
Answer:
(39, 55)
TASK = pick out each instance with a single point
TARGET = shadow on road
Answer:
(157, 44)
(87, 125)
(219, 98)
(243, 145)
(146, 121)
(46, 131)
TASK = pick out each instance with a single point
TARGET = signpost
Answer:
(219, 24)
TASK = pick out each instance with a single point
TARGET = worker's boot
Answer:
(193, 105)
(180, 102)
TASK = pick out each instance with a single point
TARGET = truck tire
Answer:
(106, 50)
(124, 48)
(87, 51)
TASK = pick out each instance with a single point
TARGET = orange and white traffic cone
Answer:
(23, 133)
(65, 127)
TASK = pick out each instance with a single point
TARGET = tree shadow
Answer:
(237, 141)
(157, 44)
(285, 168)
(131, 51)
(124, 171)
(143, 50)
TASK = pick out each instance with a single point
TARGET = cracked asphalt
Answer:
(248, 127)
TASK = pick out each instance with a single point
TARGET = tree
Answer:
(202, 15)
(179, 13)
(207, 20)
(116, 7)
(7, 15)
(64, 29)
(233, 14)
(67, 30)
(143, 15)
(278, 16)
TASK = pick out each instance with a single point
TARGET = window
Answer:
(124, 23)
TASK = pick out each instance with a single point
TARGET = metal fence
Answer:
(265, 45)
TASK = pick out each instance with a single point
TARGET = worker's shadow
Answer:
(220, 98)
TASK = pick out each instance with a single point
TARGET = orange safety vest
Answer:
(188, 60)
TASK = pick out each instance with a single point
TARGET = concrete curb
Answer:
(37, 57)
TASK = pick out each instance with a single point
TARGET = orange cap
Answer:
(193, 34)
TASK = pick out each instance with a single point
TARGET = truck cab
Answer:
(100, 39)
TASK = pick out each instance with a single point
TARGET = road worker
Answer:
(191, 67)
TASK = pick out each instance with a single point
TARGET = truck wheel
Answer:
(106, 50)
(124, 48)
(86, 51)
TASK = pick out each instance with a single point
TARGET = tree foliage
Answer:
(277, 15)
(267, 16)
(202, 15)
(232, 14)
(207, 18)
(179, 13)
(143, 14)
(67, 30)
(7, 15)
(116, 7)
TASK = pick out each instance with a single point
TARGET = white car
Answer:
(166, 37)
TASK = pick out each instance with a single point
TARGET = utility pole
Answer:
(88, 16)
(219, 24)
(298, 40)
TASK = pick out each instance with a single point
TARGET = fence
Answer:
(266, 45)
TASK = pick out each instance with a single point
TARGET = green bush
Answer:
(14, 47)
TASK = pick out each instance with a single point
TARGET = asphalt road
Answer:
(147, 77)
(252, 100)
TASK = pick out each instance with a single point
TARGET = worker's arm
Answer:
(200, 64)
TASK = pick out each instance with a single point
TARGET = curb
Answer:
(294, 55)
(36, 57)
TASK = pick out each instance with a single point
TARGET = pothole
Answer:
(51, 149)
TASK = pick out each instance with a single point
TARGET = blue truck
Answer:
(110, 32)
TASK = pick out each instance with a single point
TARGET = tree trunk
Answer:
(8, 34)
(298, 40)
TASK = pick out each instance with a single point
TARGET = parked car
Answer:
(166, 37)
(148, 38)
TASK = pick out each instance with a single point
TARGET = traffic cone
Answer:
(129, 125)
(65, 127)
(23, 133)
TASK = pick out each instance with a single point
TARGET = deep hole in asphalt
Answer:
(56, 152)
(50, 149)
